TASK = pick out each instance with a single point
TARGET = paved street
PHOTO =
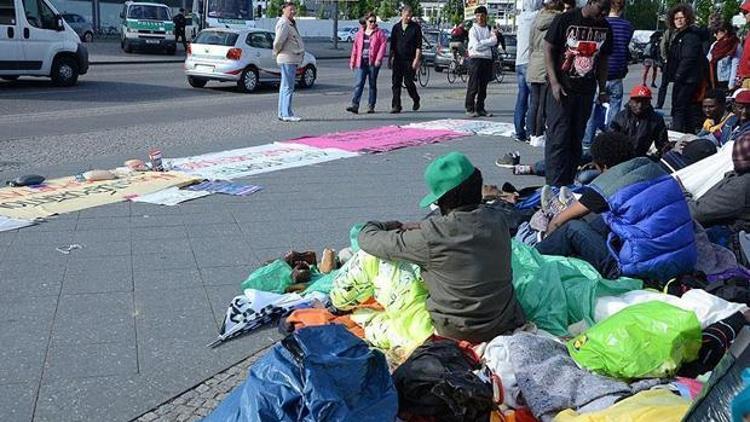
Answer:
(113, 330)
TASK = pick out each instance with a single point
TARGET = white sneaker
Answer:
(291, 119)
(537, 141)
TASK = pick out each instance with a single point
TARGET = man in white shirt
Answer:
(482, 40)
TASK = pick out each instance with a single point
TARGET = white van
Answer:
(36, 41)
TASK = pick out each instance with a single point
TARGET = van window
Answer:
(39, 15)
(149, 12)
(227, 39)
(7, 12)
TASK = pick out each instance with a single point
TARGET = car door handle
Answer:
(26, 33)
(11, 32)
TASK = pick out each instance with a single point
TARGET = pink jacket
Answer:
(378, 43)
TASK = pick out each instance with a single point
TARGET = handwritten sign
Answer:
(380, 139)
(253, 160)
(64, 195)
(477, 127)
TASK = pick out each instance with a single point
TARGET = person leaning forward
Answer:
(464, 254)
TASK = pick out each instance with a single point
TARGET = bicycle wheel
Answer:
(499, 73)
(451, 73)
(464, 73)
(424, 75)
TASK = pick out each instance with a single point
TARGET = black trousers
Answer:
(480, 72)
(402, 72)
(566, 124)
(537, 117)
(181, 34)
(663, 87)
(685, 111)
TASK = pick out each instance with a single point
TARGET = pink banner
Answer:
(378, 139)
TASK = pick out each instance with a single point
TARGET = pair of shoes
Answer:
(395, 110)
(290, 119)
(353, 109)
(416, 105)
(509, 160)
(470, 113)
(371, 109)
(484, 113)
(523, 170)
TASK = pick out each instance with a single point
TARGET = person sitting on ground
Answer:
(640, 123)
(464, 254)
(643, 227)
(687, 151)
(720, 122)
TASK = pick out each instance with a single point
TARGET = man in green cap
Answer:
(464, 254)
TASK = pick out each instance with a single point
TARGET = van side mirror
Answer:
(60, 25)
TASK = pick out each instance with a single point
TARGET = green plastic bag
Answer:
(322, 283)
(647, 340)
(274, 277)
(556, 292)
(354, 236)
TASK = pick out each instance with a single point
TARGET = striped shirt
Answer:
(622, 33)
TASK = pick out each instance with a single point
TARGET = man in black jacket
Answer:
(179, 28)
(406, 55)
(641, 123)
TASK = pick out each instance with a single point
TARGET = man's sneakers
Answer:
(371, 109)
(416, 105)
(353, 109)
(290, 119)
(509, 160)
(471, 114)
(484, 113)
(395, 110)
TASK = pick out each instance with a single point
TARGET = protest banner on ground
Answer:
(379, 139)
(170, 196)
(478, 127)
(253, 160)
(67, 194)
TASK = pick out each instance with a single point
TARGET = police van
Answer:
(36, 41)
(146, 26)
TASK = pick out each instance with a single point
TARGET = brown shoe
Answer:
(294, 257)
(328, 263)
(301, 273)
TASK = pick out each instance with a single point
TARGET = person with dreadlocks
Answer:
(464, 254)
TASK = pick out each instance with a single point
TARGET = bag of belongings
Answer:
(322, 373)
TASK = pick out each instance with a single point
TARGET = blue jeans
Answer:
(615, 92)
(286, 89)
(522, 102)
(361, 75)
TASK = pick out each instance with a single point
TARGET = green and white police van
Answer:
(147, 26)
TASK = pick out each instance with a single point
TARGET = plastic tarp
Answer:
(648, 340)
(274, 277)
(398, 287)
(556, 292)
(700, 177)
(320, 373)
(646, 406)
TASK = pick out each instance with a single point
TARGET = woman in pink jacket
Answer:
(368, 51)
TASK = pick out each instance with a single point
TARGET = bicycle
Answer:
(498, 71)
(457, 69)
(421, 76)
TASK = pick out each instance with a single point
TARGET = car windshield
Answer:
(226, 39)
(230, 9)
(149, 12)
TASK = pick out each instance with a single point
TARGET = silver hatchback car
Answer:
(243, 56)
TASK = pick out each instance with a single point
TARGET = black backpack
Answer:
(437, 381)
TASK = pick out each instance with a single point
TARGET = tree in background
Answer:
(387, 9)
(644, 14)
(453, 11)
(730, 9)
(273, 9)
(416, 6)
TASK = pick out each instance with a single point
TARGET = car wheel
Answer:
(88, 37)
(64, 71)
(9, 78)
(308, 77)
(248, 81)
(197, 82)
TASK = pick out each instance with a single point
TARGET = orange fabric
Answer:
(310, 317)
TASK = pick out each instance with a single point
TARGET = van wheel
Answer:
(126, 47)
(197, 82)
(308, 77)
(249, 81)
(88, 37)
(9, 78)
(171, 51)
(64, 71)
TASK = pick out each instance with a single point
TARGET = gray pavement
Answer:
(114, 330)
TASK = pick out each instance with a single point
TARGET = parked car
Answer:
(509, 57)
(83, 28)
(432, 40)
(36, 41)
(147, 25)
(242, 56)
(347, 34)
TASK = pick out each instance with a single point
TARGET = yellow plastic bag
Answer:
(646, 406)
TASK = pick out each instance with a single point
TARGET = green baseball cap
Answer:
(444, 174)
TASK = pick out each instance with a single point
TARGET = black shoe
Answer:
(371, 109)
(483, 113)
(654, 86)
(416, 105)
(395, 110)
(509, 160)
(353, 109)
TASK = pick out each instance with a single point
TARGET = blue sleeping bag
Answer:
(322, 373)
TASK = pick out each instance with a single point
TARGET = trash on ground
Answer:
(65, 250)
(28, 180)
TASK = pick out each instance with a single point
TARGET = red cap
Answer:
(641, 91)
(742, 97)
(745, 6)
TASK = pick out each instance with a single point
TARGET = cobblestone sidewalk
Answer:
(197, 403)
